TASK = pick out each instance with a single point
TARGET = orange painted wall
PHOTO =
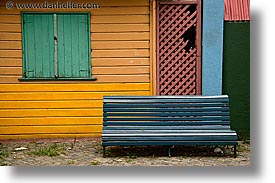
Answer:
(120, 42)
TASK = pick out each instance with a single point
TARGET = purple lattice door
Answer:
(179, 47)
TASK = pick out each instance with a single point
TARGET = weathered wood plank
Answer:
(126, 36)
(111, 28)
(63, 95)
(10, 62)
(165, 137)
(10, 45)
(44, 121)
(120, 70)
(13, 113)
(10, 53)
(10, 19)
(61, 135)
(123, 78)
(49, 129)
(97, 62)
(91, 87)
(135, 53)
(77, 104)
(10, 36)
(10, 28)
(100, 79)
(102, 45)
(119, 10)
(168, 143)
(10, 70)
(120, 19)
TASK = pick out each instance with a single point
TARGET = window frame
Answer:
(24, 61)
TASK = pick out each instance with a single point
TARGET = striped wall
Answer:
(120, 33)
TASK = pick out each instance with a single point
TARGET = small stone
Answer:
(119, 160)
(20, 149)
(218, 150)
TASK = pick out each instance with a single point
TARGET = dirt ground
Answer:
(88, 152)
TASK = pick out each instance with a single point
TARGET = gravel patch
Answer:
(88, 152)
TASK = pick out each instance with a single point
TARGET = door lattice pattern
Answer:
(178, 49)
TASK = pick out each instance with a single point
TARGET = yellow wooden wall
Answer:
(120, 34)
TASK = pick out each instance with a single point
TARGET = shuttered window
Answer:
(56, 46)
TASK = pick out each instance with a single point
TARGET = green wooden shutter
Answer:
(73, 45)
(38, 43)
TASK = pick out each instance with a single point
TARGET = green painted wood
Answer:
(73, 45)
(38, 45)
(236, 74)
(84, 52)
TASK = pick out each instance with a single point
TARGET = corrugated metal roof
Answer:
(236, 10)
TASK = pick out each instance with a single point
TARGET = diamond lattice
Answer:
(177, 52)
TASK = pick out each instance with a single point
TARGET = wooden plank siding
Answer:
(120, 60)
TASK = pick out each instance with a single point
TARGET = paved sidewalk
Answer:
(88, 152)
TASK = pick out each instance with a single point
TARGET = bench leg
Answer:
(169, 152)
(104, 152)
(235, 151)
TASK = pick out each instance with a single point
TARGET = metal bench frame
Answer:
(167, 120)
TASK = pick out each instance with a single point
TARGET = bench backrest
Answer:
(166, 110)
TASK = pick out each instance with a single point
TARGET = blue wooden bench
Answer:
(166, 121)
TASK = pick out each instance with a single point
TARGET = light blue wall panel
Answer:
(212, 50)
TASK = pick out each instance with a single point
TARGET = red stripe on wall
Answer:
(236, 10)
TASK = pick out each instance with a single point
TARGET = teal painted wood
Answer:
(168, 143)
(158, 131)
(160, 127)
(73, 45)
(38, 45)
(139, 120)
(165, 109)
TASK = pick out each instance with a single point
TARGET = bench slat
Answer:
(165, 99)
(168, 143)
(168, 138)
(170, 134)
(166, 109)
(158, 131)
(221, 113)
(203, 118)
(160, 105)
(167, 123)
(198, 127)
(216, 97)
